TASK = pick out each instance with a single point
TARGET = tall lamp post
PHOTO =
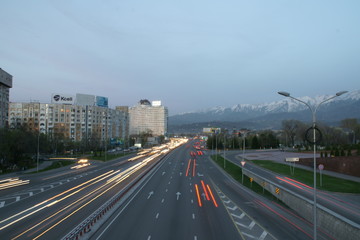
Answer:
(38, 152)
(313, 110)
(224, 147)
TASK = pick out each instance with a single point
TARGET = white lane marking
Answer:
(193, 216)
(263, 235)
(163, 173)
(180, 174)
(17, 198)
(178, 195)
(149, 237)
(157, 216)
(42, 189)
(192, 201)
(252, 224)
(2, 204)
(150, 193)
(166, 190)
(248, 235)
(227, 202)
(240, 217)
(190, 184)
(190, 190)
(233, 208)
(169, 182)
(195, 237)
(30, 194)
(162, 201)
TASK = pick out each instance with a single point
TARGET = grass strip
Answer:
(56, 164)
(329, 183)
(236, 172)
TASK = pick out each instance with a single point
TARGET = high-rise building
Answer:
(148, 117)
(5, 85)
(68, 121)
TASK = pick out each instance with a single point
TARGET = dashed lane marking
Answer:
(247, 227)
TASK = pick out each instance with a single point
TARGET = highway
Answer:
(181, 195)
(188, 197)
(53, 202)
(341, 204)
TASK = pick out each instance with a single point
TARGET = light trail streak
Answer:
(292, 184)
(325, 199)
(188, 168)
(73, 212)
(300, 183)
(103, 176)
(194, 168)
(284, 218)
(80, 166)
(12, 182)
(198, 195)
(205, 191)
(118, 180)
(212, 196)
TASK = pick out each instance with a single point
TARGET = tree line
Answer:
(291, 135)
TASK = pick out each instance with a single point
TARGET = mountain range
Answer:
(269, 115)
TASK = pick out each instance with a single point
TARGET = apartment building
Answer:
(5, 85)
(69, 121)
(148, 117)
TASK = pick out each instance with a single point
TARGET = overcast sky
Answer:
(190, 54)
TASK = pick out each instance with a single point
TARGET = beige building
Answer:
(148, 117)
(5, 85)
(69, 121)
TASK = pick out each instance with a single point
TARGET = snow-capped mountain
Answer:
(345, 106)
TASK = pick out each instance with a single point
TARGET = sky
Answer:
(190, 54)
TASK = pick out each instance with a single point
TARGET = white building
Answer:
(5, 85)
(148, 117)
(69, 121)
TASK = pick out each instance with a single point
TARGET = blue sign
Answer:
(101, 101)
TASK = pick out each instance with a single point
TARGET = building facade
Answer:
(5, 85)
(67, 121)
(148, 117)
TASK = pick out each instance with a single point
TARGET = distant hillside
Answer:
(268, 116)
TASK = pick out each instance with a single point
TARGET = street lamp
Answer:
(313, 110)
(224, 147)
(38, 152)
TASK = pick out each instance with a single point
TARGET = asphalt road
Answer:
(55, 201)
(188, 197)
(345, 205)
(185, 196)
